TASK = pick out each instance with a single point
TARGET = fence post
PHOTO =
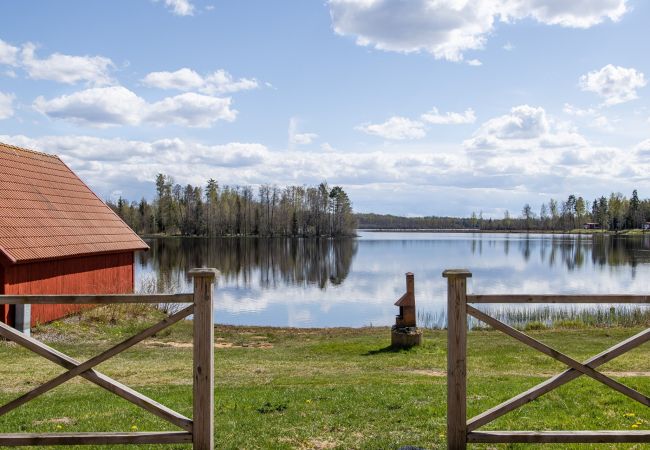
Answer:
(203, 392)
(456, 357)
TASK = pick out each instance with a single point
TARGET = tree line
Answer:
(614, 213)
(216, 210)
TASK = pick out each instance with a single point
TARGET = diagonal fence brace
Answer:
(559, 356)
(556, 381)
(86, 370)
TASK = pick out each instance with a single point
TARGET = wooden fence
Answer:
(460, 431)
(198, 431)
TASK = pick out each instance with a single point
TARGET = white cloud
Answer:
(8, 53)
(218, 82)
(578, 112)
(448, 28)
(116, 105)
(93, 70)
(180, 7)
(395, 128)
(297, 138)
(474, 62)
(525, 128)
(614, 84)
(191, 110)
(520, 164)
(327, 147)
(508, 47)
(6, 105)
(450, 118)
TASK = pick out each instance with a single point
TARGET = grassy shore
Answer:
(319, 388)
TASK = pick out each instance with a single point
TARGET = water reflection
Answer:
(270, 263)
(354, 282)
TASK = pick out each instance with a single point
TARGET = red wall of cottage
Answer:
(95, 274)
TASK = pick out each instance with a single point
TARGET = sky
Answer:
(414, 107)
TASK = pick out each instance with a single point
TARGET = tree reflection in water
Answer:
(267, 262)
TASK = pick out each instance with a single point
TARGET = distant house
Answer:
(591, 226)
(57, 236)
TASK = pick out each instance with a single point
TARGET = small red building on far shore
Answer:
(57, 236)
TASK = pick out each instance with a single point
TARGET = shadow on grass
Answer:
(389, 349)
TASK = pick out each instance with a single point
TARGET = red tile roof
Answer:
(47, 212)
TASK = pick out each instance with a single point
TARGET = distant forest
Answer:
(614, 213)
(216, 210)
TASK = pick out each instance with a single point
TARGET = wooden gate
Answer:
(198, 430)
(460, 431)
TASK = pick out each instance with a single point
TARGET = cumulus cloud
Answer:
(180, 7)
(396, 128)
(117, 105)
(403, 128)
(448, 28)
(520, 164)
(191, 110)
(298, 138)
(185, 79)
(8, 53)
(435, 117)
(93, 70)
(614, 84)
(6, 105)
(524, 128)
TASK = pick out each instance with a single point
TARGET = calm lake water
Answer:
(354, 282)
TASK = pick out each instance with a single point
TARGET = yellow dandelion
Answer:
(629, 414)
(59, 427)
(308, 401)
(134, 428)
(636, 425)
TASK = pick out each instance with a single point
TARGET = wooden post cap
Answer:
(457, 273)
(203, 272)
(409, 274)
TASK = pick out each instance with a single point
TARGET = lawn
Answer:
(321, 388)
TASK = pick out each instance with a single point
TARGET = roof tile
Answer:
(47, 212)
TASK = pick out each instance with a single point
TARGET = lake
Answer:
(355, 282)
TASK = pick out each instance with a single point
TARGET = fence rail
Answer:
(198, 430)
(460, 430)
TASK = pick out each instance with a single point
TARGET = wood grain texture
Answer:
(203, 387)
(456, 359)
(559, 437)
(552, 298)
(92, 362)
(41, 439)
(556, 381)
(559, 356)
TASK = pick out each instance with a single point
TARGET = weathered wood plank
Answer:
(98, 378)
(456, 358)
(556, 381)
(559, 356)
(107, 354)
(93, 299)
(203, 388)
(559, 437)
(552, 298)
(23, 439)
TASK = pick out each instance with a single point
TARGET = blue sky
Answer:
(415, 107)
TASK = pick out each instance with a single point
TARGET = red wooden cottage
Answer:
(57, 236)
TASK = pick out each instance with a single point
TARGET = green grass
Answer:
(327, 388)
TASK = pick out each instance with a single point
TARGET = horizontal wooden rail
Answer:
(199, 431)
(93, 299)
(559, 437)
(461, 431)
(163, 437)
(553, 298)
